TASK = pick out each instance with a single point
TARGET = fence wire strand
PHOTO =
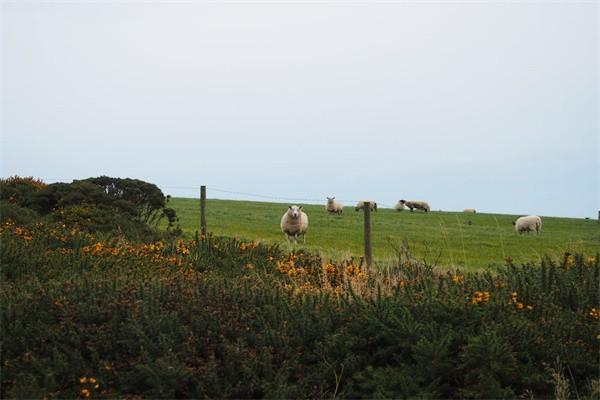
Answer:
(237, 193)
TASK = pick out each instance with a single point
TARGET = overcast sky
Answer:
(487, 105)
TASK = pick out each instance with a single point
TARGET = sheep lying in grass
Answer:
(528, 224)
(419, 205)
(333, 206)
(361, 205)
(294, 224)
(399, 206)
(470, 210)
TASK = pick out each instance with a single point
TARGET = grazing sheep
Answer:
(294, 223)
(528, 224)
(419, 205)
(333, 206)
(399, 206)
(361, 205)
(470, 210)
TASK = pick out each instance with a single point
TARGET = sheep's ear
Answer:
(333, 198)
(300, 208)
(290, 207)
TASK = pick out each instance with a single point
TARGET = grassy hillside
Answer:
(454, 239)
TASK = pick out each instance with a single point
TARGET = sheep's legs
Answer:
(291, 240)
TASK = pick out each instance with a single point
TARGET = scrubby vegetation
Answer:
(223, 318)
(89, 315)
(128, 207)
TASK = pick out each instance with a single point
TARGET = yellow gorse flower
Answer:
(480, 297)
(329, 268)
(248, 246)
(519, 305)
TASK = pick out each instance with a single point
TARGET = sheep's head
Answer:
(295, 211)
(402, 201)
(330, 200)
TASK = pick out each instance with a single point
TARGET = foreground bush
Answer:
(218, 317)
(16, 213)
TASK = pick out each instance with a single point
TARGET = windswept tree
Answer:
(146, 199)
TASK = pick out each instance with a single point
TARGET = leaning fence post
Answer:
(202, 211)
(368, 254)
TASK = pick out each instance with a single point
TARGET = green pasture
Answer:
(443, 238)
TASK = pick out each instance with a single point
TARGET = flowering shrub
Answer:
(19, 190)
(125, 207)
(87, 316)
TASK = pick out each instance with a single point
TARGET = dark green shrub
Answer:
(146, 199)
(222, 318)
(101, 218)
(60, 195)
(128, 207)
(16, 213)
(20, 190)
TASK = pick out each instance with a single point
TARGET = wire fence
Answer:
(240, 194)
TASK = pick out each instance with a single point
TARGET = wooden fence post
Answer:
(202, 213)
(368, 254)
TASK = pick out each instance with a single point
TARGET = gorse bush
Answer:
(13, 212)
(20, 191)
(220, 317)
(144, 199)
(127, 207)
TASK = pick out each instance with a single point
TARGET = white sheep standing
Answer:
(470, 210)
(419, 205)
(528, 224)
(333, 206)
(361, 205)
(399, 206)
(294, 223)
